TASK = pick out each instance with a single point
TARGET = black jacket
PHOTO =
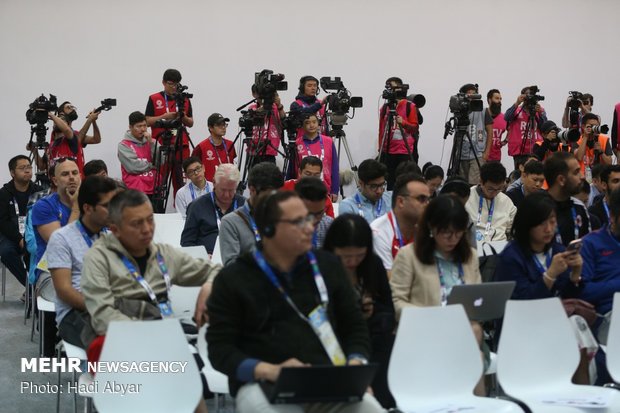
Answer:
(250, 319)
(9, 225)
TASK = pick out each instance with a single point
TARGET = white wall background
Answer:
(87, 50)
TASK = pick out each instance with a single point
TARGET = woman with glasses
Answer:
(350, 238)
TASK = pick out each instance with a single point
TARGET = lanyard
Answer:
(218, 217)
(85, 235)
(606, 210)
(442, 281)
(315, 239)
(16, 206)
(490, 216)
(398, 241)
(318, 279)
(310, 152)
(166, 99)
(376, 211)
(252, 223)
(576, 226)
(539, 266)
(193, 192)
(139, 278)
(219, 161)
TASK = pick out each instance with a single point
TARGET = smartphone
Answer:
(574, 246)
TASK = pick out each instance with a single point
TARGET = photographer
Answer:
(494, 99)
(270, 131)
(520, 139)
(586, 101)
(398, 145)
(477, 152)
(550, 143)
(307, 102)
(591, 148)
(65, 142)
(164, 106)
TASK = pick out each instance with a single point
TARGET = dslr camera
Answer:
(575, 102)
(340, 101)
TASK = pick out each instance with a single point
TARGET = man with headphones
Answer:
(307, 102)
(284, 305)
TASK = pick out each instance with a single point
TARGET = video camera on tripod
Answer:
(340, 102)
(463, 104)
(37, 116)
(532, 98)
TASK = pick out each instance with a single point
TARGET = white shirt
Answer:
(382, 239)
(187, 194)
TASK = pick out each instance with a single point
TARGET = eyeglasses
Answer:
(24, 168)
(449, 234)
(171, 83)
(300, 223)
(375, 187)
(491, 189)
(423, 199)
(194, 171)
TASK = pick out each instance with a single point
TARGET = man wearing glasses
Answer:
(371, 200)
(195, 188)
(162, 106)
(313, 193)
(396, 228)
(13, 209)
(491, 210)
(215, 150)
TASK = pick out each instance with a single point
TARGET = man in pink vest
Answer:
(266, 138)
(135, 152)
(521, 139)
(494, 99)
(614, 130)
(312, 143)
(306, 102)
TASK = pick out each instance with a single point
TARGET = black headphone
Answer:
(302, 84)
(260, 214)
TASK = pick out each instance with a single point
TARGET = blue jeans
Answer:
(13, 259)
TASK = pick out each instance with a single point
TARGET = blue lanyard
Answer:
(318, 279)
(85, 235)
(548, 257)
(490, 216)
(397, 233)
(442, 280)
(166, 100)
(606, 210)
(377, 209)
(252, 223)
(322, 149)
(140, 279)
(193, 192)
(576, 226)
(219, 161)
(218, 217)
(315, 239)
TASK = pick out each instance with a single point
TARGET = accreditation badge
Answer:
(324, 331)
(22, 224)
(166, 309)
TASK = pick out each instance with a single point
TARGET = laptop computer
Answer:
(320, 384)
(482, 302)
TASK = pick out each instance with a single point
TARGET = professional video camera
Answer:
(396, 93)
(340, 102)
(267, 84)
(106, 104)
(249, 119)
(531, 98)
(462, 103)
(575, 101)
(168, 123)
(38, 110)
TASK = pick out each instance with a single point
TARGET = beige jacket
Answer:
(416, 284)
(105, 277)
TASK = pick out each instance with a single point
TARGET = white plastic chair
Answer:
(183, 301)
(336, 209)
(484, 248)
(218, 382)
(71, 351)
(216, 257)
(196, 251)
(147, 341)
(613, 341)
(43, 305)
(168, 229)
(538, 355)
(436, 363)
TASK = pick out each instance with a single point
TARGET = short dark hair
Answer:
(310, 160)
(597, 170)
(534, 167)
(309, 115)
(13, 161)
(267, 210)
(136, 117)
(172, 75)
(187, 162)
(585, 187)
(61, 107)
(589, 116)
(443, 212)
(521, 161)
(588, 96)
(124, 199)
(407, 167)
(394, 79)
(94, 167)
(535, 209)
(607, 171)
(400, 185)
(491, 92)
(456, 185)
(431, 171)
(493, 172)
(614, 203)
(371, 169)
(556, 165)
(311, 189)
(92, 188)
(265, 175)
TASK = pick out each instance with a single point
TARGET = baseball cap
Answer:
(215, 119)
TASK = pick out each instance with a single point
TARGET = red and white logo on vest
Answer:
(210, 156)
(159, 104)
(300, 148)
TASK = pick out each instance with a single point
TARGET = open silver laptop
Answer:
(482, 302)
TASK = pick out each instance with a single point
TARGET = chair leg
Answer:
(41, 333)
(58, 392)
(28, 309)
(75, 392)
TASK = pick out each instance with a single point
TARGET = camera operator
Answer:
(551, 142)
(65, 142)
(163, 106)
(271, 130)
(591, 148)
(586, 101)
(518, 116)
(494, 100)
(480, 128)
(395, 150)
(306, 102)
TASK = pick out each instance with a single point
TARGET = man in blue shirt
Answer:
(371, 200)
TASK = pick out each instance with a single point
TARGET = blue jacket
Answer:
(601, 269)
(514, 264)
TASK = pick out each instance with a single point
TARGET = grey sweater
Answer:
(130, 160)
(236, 235)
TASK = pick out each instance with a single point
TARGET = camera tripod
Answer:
(167, 167)
(459, 125)
(40, 161)
(529, 134)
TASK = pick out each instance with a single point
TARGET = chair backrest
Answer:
(613, 341)
(216, 257)
(183, 301)
(435, 354)
(218, 382)
(168, 229)
(536, 343)
(148, 341)
(336, 209)
(196, 251)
